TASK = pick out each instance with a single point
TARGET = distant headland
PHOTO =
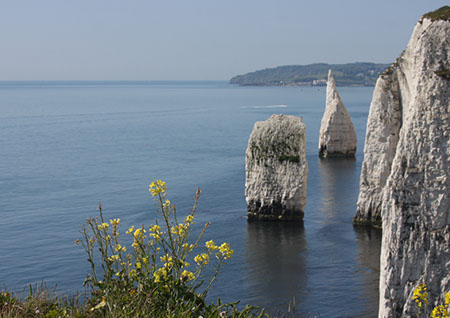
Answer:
(350, 74)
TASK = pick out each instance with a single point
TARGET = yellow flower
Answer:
(138, 265)
(155, 228)
(447, 299)
(155, 231)
(103, 226)
(179, 229)
(198, 259)
(202, 259)
(168, 261)
(166, 204)
(211, 246)
(439, 312)
(120, 248)
(226, 251)
(158, 187)
(139, 233)
(115, 222)
(113, 258)
(189, 219)
(420, 295)
(166, 258)
(187, 275)
(130, 230)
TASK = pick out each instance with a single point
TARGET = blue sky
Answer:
(196, 39)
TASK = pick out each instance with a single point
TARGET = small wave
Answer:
(268, 106)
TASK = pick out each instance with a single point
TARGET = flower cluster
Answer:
(439, 312)
(211, 246)
(157, 187)
(420, 296)
(159, 255)
(202, 259)
(103, 226)
(226, 251)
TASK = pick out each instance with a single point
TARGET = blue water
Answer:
(65, 146)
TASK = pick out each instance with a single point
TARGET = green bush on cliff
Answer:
(442, 13)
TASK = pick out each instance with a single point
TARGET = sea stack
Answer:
(337, 134)
(276, 170)
(406, 173)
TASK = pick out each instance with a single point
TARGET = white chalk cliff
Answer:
(382, 133)
(406, 173)
(276, 170)
(337, 134)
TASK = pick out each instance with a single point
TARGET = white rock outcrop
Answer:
(406, 173)
(337, 133)
(382, 133)
(276, 170)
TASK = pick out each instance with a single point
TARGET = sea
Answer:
(65, 146)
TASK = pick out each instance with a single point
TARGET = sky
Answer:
(196, 39)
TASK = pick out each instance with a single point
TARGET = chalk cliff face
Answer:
(383, 127)
(405, 175)
(337, 134)
(276, 170)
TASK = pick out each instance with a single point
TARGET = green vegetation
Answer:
(442, 13)
(444, 73)
(40, 302)
(279, 149)
(352, 74)
(161, 274)
(153, 277)
(420, 296)
(294, 159)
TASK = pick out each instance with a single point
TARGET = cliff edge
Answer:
(406, 174)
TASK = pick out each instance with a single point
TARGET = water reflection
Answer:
(336, 251)
(276, 256)
(369, 249)
(339, 180)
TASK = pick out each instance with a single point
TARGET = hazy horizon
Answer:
(53, 40)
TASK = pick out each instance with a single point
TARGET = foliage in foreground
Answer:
(162, 273)
(420, 296)
(153, 277)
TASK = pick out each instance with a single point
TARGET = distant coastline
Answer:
(351, 74)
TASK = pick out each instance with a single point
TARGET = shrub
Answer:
(158, 275)
(420, 296)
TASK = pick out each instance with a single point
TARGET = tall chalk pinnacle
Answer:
(337, 134)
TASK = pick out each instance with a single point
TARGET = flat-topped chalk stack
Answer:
(337, 133)
(276, 170)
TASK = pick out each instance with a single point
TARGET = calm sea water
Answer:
(65, 146)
